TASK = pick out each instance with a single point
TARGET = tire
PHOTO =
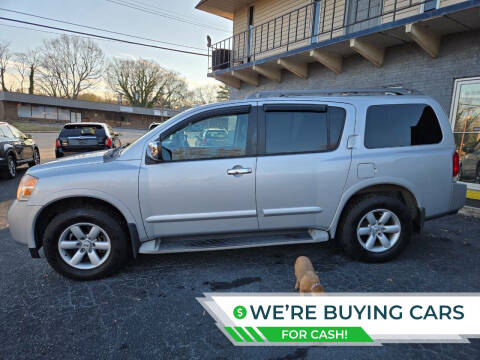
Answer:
(365, 242)
(11, 169)
(36, 158)
(112, 236)
(461, 175)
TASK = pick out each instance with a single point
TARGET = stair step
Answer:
(175, 245)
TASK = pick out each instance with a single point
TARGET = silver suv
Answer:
(365, 167)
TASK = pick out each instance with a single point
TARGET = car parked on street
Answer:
(364, 167)
(470, 165)
(77, 138)
(214, 137)
(16, 149)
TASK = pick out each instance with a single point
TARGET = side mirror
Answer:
(28, 136)
(154, 151)
(157, 152)
(117, 134)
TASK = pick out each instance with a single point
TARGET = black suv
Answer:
(16, 149)
(83, 137)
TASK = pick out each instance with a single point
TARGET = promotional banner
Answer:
(345, 319)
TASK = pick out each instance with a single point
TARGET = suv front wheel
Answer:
(85, 243)
(375, 228)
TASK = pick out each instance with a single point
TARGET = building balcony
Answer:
(326, 32)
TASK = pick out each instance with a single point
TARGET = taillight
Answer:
(108, 142)
(456, 164)
(57, 143)
(204, 140)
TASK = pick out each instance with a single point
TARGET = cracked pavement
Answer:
(148, 310)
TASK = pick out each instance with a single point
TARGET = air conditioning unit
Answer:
(221, 59)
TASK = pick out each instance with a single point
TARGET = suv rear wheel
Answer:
(85, 243)
(375, 228)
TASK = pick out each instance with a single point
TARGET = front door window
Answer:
(215, 137)
(465, 118)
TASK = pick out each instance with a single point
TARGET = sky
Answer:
(112, 16)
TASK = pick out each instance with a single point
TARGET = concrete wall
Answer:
(406, 65)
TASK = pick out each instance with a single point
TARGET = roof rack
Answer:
(342, 92)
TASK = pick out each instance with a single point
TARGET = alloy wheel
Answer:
(36, 157)
(379, 230)
(11, 167)
(84, 246)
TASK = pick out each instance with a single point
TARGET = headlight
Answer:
(26, 187)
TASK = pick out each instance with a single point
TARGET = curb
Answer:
(470, 211)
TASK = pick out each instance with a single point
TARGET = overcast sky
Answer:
(111, 16)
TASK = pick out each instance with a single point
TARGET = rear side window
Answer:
(289, 132)
(82, 130)
(398, 125)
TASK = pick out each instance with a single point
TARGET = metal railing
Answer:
(313, 23)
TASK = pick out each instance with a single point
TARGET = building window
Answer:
(465, 120)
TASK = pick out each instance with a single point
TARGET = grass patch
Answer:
(26, 126)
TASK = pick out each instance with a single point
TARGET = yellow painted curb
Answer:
(473, 194)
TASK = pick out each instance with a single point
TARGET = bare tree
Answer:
(4, 61)
(21, 67)
(223, 93)
(145, 83)
(69, 65)
(205, 94)
(32, 58)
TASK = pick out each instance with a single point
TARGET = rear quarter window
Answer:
(398, 125)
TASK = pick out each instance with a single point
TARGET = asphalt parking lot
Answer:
(149, 311)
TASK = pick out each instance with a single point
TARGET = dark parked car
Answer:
(16, 149)
(470, 165)
(84, 137)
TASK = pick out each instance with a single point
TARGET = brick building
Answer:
(432, 46)
(26, 107)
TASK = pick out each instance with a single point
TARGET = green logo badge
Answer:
(240, 312)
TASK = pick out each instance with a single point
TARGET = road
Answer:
(149, 311)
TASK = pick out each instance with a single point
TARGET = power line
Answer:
(163, 13)
(104, 37)
(147, 5)
(100, 29)
(49, 32)
(155, 12)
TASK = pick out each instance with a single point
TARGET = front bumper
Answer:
(21, 221)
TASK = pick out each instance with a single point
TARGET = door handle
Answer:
(239, 171)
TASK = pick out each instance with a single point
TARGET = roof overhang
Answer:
(82, 104)
(223, 8)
